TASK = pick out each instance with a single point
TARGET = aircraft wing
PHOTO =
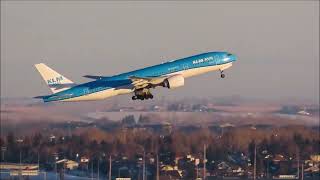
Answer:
(144, 82)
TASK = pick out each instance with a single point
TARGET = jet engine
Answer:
(174, 81)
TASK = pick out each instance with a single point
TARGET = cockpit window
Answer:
(229, 54)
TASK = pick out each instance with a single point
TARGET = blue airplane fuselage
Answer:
(122, 81)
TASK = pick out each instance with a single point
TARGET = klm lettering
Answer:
(56, 80)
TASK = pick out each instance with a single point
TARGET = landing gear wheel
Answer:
(142, 94)
(221, 74)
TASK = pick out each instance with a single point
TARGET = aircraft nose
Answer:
(233, 57)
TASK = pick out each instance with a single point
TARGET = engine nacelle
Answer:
(174, 81)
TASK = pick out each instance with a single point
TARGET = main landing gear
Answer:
(221, 74)
(142, 94)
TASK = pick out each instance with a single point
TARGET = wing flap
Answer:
(142, 82)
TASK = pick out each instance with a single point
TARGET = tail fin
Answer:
(54, 80)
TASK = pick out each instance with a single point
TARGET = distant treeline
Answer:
(169, 142)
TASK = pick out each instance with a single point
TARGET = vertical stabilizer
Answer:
(54, 80)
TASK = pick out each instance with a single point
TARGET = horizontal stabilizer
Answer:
(39, 97)
(94, 77)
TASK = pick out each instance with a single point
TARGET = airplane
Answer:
(171, 75)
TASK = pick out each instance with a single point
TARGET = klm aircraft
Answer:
(170, 75)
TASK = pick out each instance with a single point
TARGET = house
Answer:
(278, 158)
(313, 163)
(68, 164)
(190, 157)
(237, 170)
(223, 165)
(71, 165)
(285, 176)
(312, 169)
(52, 138)
(167, 168)
(227, 125)
(315, 158)
(84, 159)
(152, 160)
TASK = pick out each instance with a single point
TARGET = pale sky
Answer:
(277, 44)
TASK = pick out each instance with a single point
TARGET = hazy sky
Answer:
(277, 44)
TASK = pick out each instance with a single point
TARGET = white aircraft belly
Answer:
(100, 95)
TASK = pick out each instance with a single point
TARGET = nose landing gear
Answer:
(222, 75)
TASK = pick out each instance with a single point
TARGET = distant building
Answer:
(237, 170)
(285, 176)
(52, 138)
(15, 166)
(278, 158)
(68, 164)
(84, 159)
(167, 168)
(19, 140)
(315, 158)
(71, 165)
(197, 162)
(166, 128)
(312, 169)
(151, 160)
(157, 108)
(304, 112)
(223, 165)
(227, 125)
(190, 157)
(313, 164)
